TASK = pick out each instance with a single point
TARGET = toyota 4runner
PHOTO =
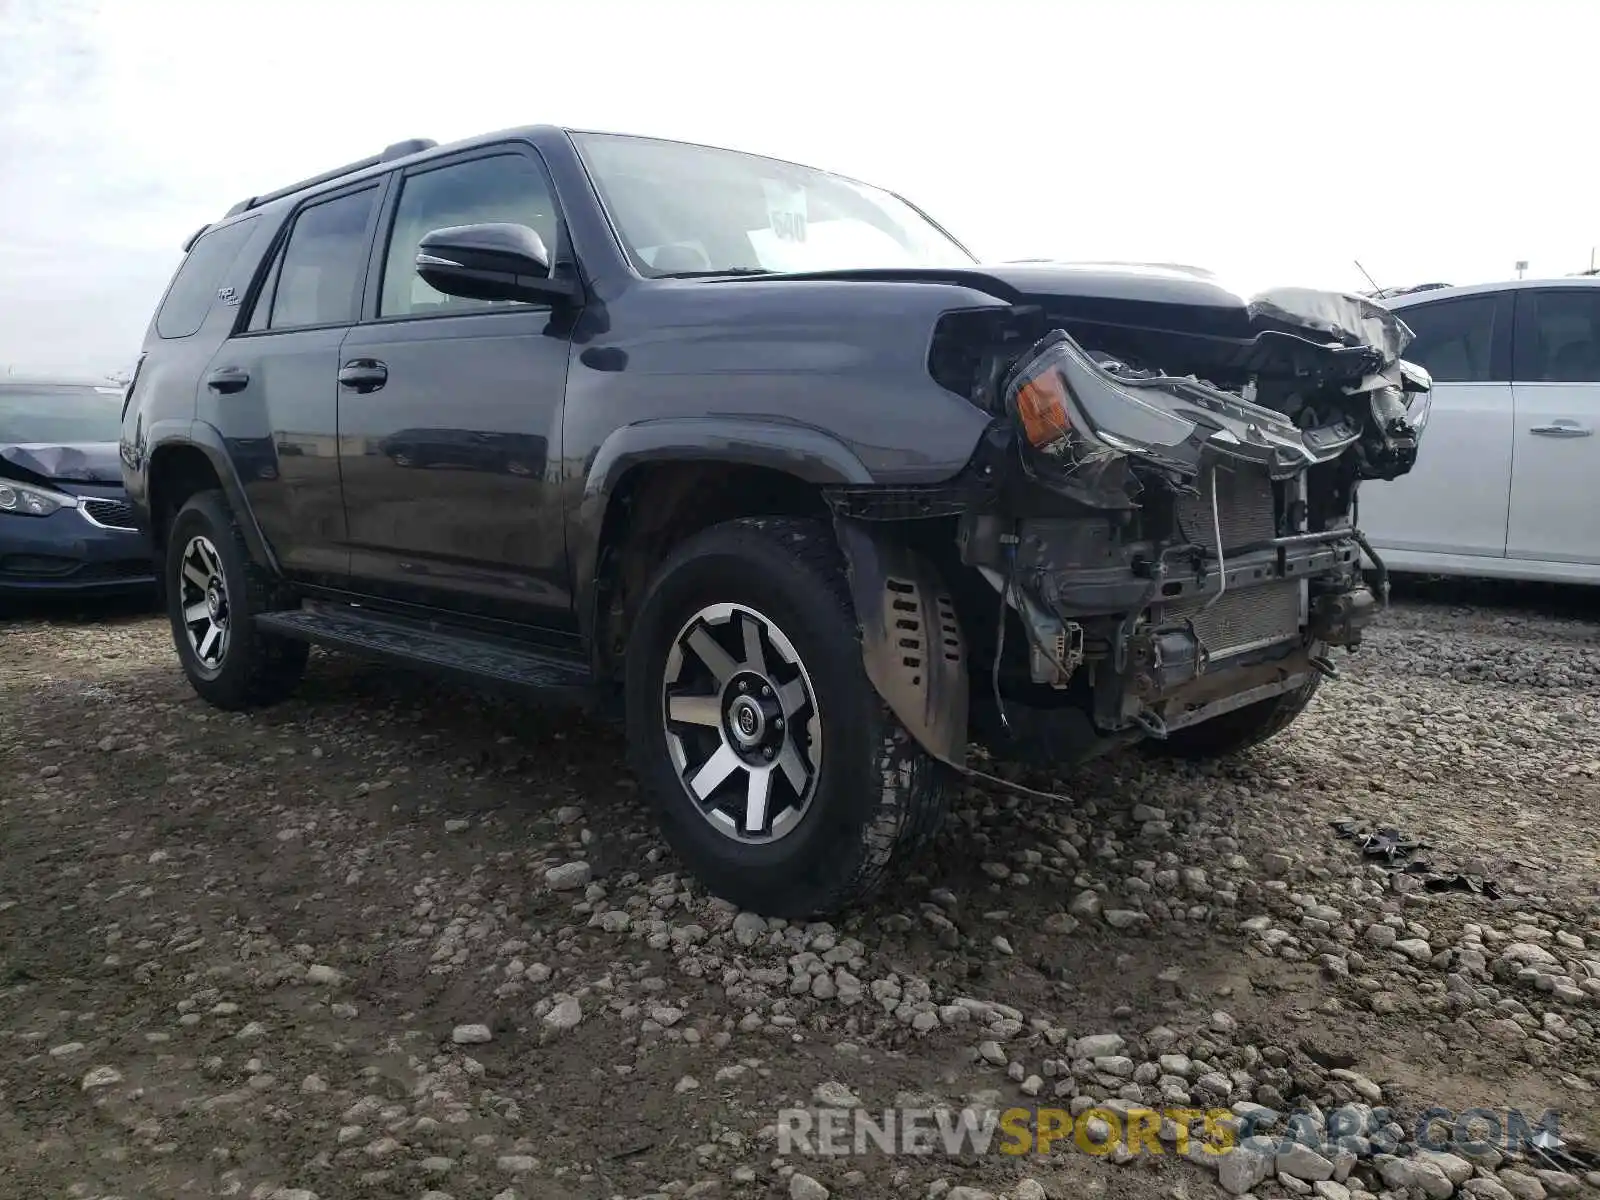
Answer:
(764, 457)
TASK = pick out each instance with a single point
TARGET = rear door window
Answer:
(317, 278)
(193, 289)
(1558, 336)
(1455, 338)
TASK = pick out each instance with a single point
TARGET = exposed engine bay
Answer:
(1164, 518)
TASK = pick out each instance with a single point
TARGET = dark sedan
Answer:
(65, 522)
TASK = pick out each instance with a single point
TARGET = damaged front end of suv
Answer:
(1160, 529)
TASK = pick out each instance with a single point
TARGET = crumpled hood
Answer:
(89, 462)
(1184, 317)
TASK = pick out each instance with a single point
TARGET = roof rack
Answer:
(390, 153)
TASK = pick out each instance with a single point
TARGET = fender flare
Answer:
(808, 454)
(198, 435)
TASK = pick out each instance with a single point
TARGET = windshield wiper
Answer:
(712, 274)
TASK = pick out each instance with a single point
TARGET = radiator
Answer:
(1244, 504)
(1244, 619)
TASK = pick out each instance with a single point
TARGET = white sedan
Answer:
(1507, 481)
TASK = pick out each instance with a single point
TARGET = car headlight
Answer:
(25, 500)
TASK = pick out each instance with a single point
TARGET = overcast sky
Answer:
(1273, 141)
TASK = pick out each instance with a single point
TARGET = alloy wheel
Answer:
(742, 723)
(203, 599)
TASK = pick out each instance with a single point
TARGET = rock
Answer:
(471, 1035)
(1415, 949)
(568, 877)
(1276, 865)
(253, 1032)
(1528, 954)
(1484, 1188)
(1060, 923)
(1456, 1169)
(832, 1094)
(1381, 936)
(1029, 1189)
(1558, 1183)
(565, 1015)
(968, 1193)
(991, 1052)
(320, 974)
(1099, 1045)
(1302, 1162)
(1521, 1185)
(1416, 1173)
(748, 928)
(457, 825)
(1368, 1090)
(1001, 945)
(803, 1187)
(1085, 905)
(1125, 918)
(101, 1077)
(1247, 1164)
(517, 1164)
(1327, 1189)
(67, 1049)
(1504, 1029)
(313, 1085)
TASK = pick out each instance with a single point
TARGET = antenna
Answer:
(1370, 279)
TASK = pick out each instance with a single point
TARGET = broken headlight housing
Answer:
(25, 500)
(1079, 424)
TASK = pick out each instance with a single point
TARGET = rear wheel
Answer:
(1240, 729)
(777, 772)
(213, 594)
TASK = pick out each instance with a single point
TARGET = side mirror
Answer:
(496, 261)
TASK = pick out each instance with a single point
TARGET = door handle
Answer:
(363, 375)
(1562, 429)
(228, 380)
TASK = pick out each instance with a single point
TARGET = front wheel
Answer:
(214, 593)
(778, 774)
(1240, 729)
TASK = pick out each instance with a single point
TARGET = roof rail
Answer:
(389, 154)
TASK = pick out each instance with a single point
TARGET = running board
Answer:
(425, 646)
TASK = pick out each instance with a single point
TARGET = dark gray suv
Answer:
(764, 457)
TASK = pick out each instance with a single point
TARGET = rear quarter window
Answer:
(193, 289)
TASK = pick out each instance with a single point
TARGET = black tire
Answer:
(256, 669)
(877, 797)
(1239, 729)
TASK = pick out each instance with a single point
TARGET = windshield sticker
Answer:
(786, 210)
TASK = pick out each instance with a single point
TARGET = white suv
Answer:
(1508, 484)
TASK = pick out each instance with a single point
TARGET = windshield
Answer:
(693, 210)
(59, 414)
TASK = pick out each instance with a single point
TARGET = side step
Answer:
(424, 645)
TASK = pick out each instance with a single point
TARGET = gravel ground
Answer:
(393, 940)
